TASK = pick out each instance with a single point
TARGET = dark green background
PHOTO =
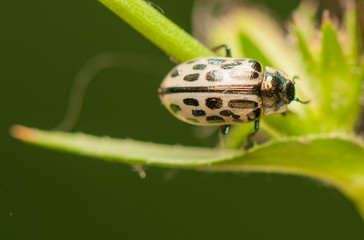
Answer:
(51, 195)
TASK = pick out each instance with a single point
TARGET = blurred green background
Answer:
(51, 195)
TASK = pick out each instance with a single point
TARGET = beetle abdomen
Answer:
(214, 91)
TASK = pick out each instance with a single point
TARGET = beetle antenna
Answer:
(303, 102)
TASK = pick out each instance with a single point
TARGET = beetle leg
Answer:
(249, 141)
(286, 113)
(225, 129)
(227, 49)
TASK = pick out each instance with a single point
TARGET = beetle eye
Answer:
(289, 92)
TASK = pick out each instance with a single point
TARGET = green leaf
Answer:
(304, 48)
(356, 63)
(251, 50)
(333, 61)
(334, 159)
(158, 29)
(291, 124)
(247, 28)
(237, 136)
(339, 82)
(128, 151)
(351, 25)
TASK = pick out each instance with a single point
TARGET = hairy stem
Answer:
(158, 29)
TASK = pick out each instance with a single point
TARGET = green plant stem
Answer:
(314, 156)
(158, 29)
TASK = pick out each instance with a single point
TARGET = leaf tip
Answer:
(326, 16)
(329, 20)
(22, 133)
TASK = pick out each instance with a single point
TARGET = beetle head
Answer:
(277, 83)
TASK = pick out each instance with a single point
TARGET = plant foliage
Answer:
(315, 140)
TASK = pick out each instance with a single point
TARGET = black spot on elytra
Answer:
(191, 77)
(175, 73)
(192, 120)
(215, 119)
(230, 65)
(214, 103)
(214, 76)
(256, 65)
(242, 104)
(254, 115)
(198, 113)
(199, 67)
(254, 75)
(228, 113)
(175, 108)
(191, 102)
(215, 61)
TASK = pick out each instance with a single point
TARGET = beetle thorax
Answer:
(273, 91)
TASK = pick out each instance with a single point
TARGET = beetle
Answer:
(222, 91)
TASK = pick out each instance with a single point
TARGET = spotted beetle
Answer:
(223, 91)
